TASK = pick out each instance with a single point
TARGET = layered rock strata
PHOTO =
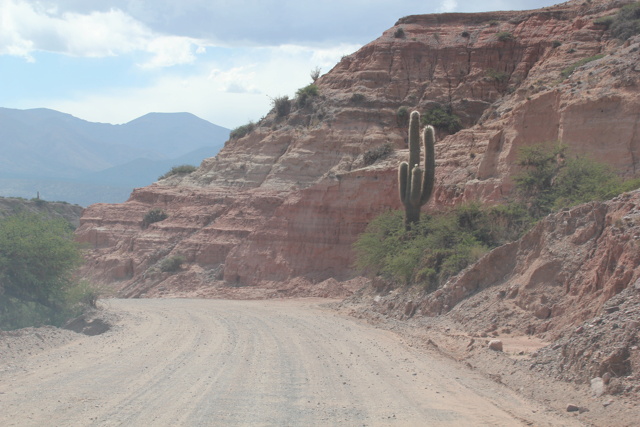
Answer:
(288, 199)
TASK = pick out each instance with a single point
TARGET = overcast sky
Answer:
(115, 60)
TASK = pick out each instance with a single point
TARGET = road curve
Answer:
(179, 362)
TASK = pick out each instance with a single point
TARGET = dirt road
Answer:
(177, 362)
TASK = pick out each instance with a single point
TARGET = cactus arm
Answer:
(414, 140)
(403, 178)
(429, 164)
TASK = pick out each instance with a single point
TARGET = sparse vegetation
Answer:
(179, 170)
(402, 116)
(242, 131)
(282, 105)
(38, 257)
(551, 180)
(556, 43)
(172, 264)
(605, 20)
(357, 98)
(154, 215)
(315, 74)
(465, 34)
(504, 36)
(377, 153)
(435, 248)
(627, 22)
(305, 94)
(569, 70)
(399, 33)
(441, 244)
(442, 119)
(497, 76)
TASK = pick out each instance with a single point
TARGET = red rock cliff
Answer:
(287, 200)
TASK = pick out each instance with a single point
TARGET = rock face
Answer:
(286, 201)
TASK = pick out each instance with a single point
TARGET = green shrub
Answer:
(569, 70)
(377, 153)
(465, 34)
(171, 264)
(402, 116)
(497, 76)
(442, 119)
(154, 215)
(436, 248)
(305, 94)
(179, 170)
(550, 180)
(556, 43)
(243, 130)
(357, 98)
(504, 36)
(442, 244)
(38, 257)
(605, 20)
(399, 33)
(281, 105)
(627, 22)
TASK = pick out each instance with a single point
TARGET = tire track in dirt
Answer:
(288, 363)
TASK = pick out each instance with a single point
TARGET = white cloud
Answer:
(228, 95)
(448, 6)
(26, 28)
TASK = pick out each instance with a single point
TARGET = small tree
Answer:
(37, 259)
(315, 74)
(154, 215)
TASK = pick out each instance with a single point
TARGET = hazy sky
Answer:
(115, 60)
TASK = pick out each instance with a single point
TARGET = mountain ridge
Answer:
(42, 146)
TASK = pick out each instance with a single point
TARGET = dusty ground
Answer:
(546, 372)
(215, 362)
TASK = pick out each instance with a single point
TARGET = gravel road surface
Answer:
(181, 362)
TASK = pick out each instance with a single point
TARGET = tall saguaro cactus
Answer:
(416, 184)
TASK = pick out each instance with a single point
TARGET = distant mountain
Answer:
(66, 158)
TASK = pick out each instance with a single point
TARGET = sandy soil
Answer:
(177, 362)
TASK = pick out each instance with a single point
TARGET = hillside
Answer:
(280, 207)
(11, 206)
(66, 158)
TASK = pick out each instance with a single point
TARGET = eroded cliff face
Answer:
(284, 204)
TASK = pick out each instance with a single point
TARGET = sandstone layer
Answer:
(284, 203)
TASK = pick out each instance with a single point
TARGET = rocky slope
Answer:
(562, 303)
(278, 209)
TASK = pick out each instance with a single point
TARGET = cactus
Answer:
(415, 184)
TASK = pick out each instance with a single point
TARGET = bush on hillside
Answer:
(565, 73)
(377, 153)
(282, 105)
(172, 264)
(627, 22)
(242, 131)
(179, 170)
(38, 257)
(442, 119)
(550, 180)
(402, 116)
(305, 94)
(436, 248)
(154, 215)
(444, 243)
